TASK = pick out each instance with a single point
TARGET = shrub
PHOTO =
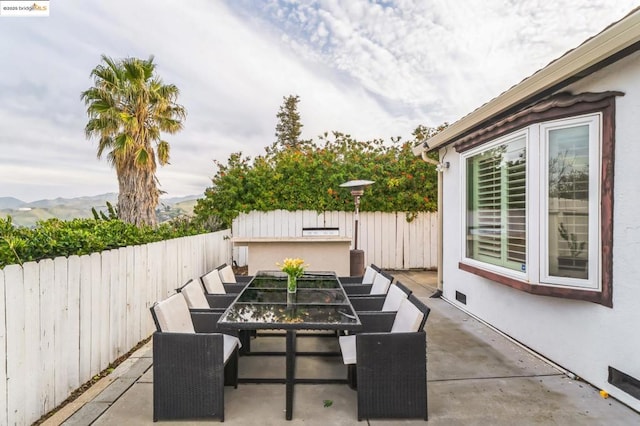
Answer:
(54, 237)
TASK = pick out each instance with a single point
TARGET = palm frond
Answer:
(144, 159)
(163, 152)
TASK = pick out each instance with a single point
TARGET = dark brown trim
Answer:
(540, 290)
(562, 106)
(606, 200)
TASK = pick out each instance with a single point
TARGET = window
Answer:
(496, 205)
(570, 218)
(539, 198)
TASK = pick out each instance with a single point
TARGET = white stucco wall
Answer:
(583, 337)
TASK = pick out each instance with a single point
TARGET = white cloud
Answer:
(371, 70)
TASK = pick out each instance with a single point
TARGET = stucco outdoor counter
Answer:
(326, 253)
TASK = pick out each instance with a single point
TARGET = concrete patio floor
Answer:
(475, 377)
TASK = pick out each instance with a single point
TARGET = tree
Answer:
(128, 108)
(309, 178)
(289, 127)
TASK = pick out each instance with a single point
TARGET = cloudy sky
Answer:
(373, 69)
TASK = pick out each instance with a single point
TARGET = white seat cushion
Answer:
(213, 283)
(348, 348)
(227, 275)
(380, 284)
(230, 343)
(194, 295)
(394, 297)
(408, 318)
(369, 275)
(173, 315)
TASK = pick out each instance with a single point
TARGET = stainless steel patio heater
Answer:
(356, 261)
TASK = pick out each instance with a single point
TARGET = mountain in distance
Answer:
(28, 214)
(92, 201)
(10, 203)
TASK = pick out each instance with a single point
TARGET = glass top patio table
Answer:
(320, 303)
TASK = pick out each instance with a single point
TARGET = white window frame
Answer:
(536, 146)
(520, 275)
(593, 282)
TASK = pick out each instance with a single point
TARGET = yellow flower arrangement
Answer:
(293, 267)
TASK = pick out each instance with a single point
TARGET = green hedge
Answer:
(54, 237)
(308, 177)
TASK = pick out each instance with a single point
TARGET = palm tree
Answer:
(128, 108)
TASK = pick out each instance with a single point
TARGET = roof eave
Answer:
(614, 39)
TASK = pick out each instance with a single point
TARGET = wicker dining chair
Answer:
(389, 302)
(386, 362)
(221, 294)
(229, 277)
(379, 285)
(213, 284)
(367, 278)
(190, 369)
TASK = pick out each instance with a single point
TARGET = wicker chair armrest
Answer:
(243, 279)
(189, 346)
(357, 289)
(387, 342)
(234, 288)
(351, 280)
(367, 303)
(376, 322)
(205, 320)
(220, 301)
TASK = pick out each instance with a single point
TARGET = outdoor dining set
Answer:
(209, 323)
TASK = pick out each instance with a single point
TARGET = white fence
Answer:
(388, 239)
(64, 320)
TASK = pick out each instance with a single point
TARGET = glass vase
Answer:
(292, 283)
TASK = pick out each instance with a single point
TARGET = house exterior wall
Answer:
(582, 337)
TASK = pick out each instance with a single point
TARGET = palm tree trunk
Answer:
(138, 196)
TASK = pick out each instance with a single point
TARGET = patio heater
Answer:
(356, 260)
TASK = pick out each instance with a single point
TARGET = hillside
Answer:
(10, 203)
(28, 214)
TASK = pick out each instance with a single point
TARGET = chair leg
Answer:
(245, 340)
(352, 376)
(231, 370)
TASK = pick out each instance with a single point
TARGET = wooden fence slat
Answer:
(378, 234)
(115, 302)
(433, 240)
(72, 337)
(96, 317)
(407, 228)
(415, 237)
(4, 419)
(61, 336)
(387, 240)
(47, 330)
(398, 254)
(121, 342)
(140, 278)
(30, 286)
(21, 389)
(132, 318)
(85, 326)
(104, 307)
